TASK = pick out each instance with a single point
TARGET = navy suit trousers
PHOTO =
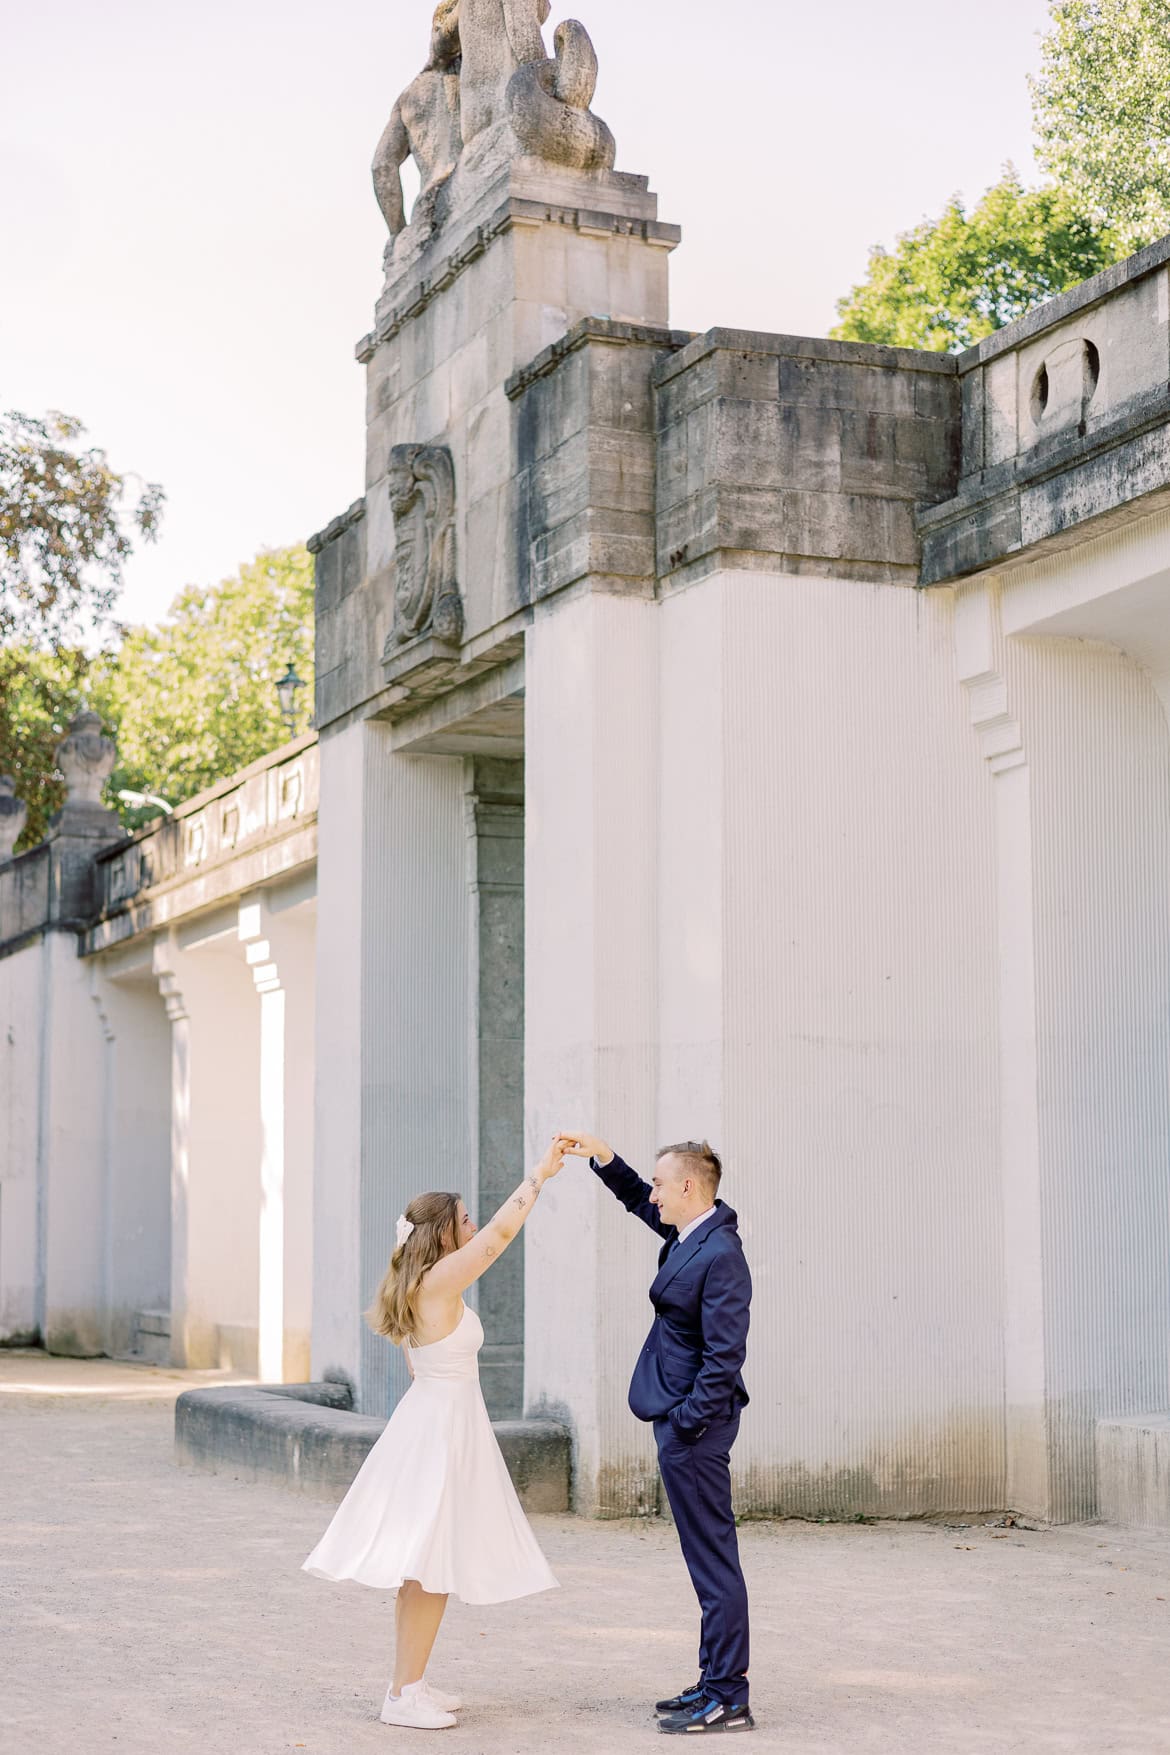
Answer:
(697, 1478)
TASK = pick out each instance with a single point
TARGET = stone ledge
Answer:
(1042, 500)
(1133, 1471)
(515, 211)
(603, 329)
(307, 1436)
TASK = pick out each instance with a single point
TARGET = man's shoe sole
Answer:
(704, 1730)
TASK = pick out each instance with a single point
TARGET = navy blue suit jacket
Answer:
(689, 1370)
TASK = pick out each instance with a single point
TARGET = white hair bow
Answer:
(405, 1227)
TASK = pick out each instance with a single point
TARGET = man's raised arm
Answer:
(621, 1181)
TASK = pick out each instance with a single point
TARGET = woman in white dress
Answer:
(432, 1510)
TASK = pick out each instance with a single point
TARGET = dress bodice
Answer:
(455, 1357)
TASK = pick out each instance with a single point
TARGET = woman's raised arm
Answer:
(455, 1272)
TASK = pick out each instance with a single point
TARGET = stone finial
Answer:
(13, 816)
(86, 758)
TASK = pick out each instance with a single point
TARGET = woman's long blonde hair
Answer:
(435, 1218)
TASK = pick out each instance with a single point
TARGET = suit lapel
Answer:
(685, 1252)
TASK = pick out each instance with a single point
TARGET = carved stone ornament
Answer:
(428, 610)
(86, 758)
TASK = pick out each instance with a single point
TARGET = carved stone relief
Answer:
(427, 605)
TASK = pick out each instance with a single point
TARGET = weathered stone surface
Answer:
(810, 454)
(1133, 1471)
(1065, 417)
(259, 824)
(424, 125)
(306, 1436)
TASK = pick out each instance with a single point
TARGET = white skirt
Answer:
(433, 1501)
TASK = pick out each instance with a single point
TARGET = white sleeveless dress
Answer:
(433, 1500)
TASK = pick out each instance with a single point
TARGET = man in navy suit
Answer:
(687, 1383)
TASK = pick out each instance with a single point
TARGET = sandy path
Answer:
(146, 1610)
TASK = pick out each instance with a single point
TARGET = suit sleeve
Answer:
(633, 1193)
(725, 1315)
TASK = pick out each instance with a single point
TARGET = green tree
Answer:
(67, 527)
(194, 699)
(1101, 106)
(40, 691)
(952, 280)
(189, 702)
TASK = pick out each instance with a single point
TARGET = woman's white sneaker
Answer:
(415, 1709)
(445, 1702)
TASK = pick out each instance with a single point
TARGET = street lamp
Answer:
(139, 800)
(286, 693)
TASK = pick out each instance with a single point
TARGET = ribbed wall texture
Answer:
(590, 1048)
(858, 1029)
(415, 1122)
(1098, 760)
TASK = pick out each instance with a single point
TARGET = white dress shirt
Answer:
(694, 1224)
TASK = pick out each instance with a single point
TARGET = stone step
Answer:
(1133, 1471)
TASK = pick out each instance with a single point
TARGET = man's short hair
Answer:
(700, 1161)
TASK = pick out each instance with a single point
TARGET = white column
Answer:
(215, 1145)
(393, 1065)
(590, 1020)
(278, 948)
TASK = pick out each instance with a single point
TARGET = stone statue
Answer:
(507, 77)
(424, 124)
(489, 84)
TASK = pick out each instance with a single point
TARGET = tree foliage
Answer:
(189, 701)
(40, 692)
(67, 527)
(194, 699)
(952, 280)
(1101, 105)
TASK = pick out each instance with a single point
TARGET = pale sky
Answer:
(192, 248)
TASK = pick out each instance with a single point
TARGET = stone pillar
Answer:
(393, 1060)
(75, 1059)
(591, 1054)
(215, 1146)
(279, 950)
(495, 824)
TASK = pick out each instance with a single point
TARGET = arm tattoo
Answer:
(519, 1201)
(534, 1185)
(490, 1253)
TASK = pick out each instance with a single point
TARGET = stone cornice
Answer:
(515, 211)
(337, 527)
(602, 329)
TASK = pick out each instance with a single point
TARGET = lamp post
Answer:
(138, 801)
(286, 693)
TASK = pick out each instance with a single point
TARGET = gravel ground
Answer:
(145, 1610)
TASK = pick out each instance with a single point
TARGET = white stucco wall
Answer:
(22, 1022)
(760, 907)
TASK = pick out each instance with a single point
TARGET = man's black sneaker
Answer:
(706, 1716)
(681, 1702)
